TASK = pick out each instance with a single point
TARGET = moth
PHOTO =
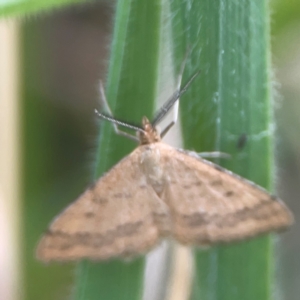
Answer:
(159, 191)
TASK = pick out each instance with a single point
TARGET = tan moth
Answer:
(159, 191)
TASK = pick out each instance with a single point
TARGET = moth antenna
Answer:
(169, 104)
(118, 122)
(110, 117)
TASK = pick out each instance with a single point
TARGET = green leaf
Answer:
(10, 8)
(131, 92)
(230, 100)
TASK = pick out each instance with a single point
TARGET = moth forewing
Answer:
(113, 218)
(212, 205)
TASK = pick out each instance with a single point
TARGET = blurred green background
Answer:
(63, 55)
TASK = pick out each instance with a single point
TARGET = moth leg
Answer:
(116, 128)
(164, 132)
(173, 122)
(214, 154)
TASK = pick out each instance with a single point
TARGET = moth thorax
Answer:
(152, 168)
(149, 134)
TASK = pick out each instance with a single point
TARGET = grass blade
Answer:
(22, 7)
(229, 42)
(131, 92)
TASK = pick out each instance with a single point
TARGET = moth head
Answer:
(149, 134)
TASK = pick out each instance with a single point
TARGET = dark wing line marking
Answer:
(95, 239)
